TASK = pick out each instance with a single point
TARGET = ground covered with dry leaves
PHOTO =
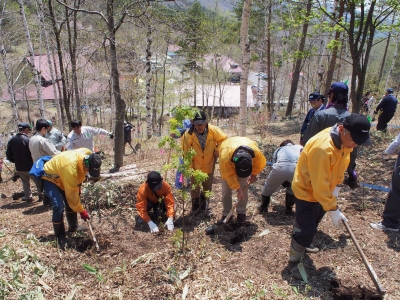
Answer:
(234, 263)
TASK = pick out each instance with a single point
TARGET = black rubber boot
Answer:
(72, 219)
(195, 206)
(59, 231)
(203, 203)
(265, 200)
(290, 200)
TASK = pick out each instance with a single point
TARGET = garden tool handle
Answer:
(234, 205)
(94, 238)
(381, 290)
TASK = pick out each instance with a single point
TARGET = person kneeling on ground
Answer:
(239, 158)
(318, 173)
(156, 194)
(64, 174)
(285, 159)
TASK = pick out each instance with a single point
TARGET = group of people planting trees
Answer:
(312, 172)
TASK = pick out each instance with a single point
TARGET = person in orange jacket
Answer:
(155, 194)
(240, 160)
(205, 139)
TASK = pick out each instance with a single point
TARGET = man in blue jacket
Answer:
(387, 106)
(317, 104)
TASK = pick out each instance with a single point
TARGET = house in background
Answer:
(226, 64)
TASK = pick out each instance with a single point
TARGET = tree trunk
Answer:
(119, 103)
(72, 36)
(393, 62)
(163, 90)
(57, 35)
(269, 60)
(59, 99)
(149, 76)
(297, 65)
(245, 46)
(385, 52)
(332, 63)
(32, 57)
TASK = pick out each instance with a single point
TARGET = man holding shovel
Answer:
(205, 139)
(63, 175)
(318, 173)
(240, 161)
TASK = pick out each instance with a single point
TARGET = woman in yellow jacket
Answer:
(205, 139)
(239, 158)
(64, 174)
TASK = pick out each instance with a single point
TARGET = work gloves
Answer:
(336, 216)
(170, 224)
(84, 215)
(153, 227)
(336, 191)
(111, 135)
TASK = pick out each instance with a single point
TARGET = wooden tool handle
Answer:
(234, 205)
(94, 238)
(381, 290)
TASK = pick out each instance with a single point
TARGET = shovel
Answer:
(94, 238)
(211, 229)
(381, 290)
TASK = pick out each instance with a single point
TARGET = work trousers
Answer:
(227, 197)
(391, 212)
(58, 200)
(383, 120)
(280, 173)
(26, 184)
(205, 186)
(159, 210)
(308, 217)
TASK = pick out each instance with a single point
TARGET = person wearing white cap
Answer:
(56, 137)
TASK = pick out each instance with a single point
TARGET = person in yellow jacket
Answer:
(205, 139)
(64, 174)
(156, 194)
(319, 171)
(240, 160)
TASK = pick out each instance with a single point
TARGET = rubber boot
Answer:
(204, 206)
(195, 206)
(59, 231)
(265, 200)
(72, 219)
(290, 200)
(295, 254)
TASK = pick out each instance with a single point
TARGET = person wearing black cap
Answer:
(335, 112)
(18, 153)
(156, 194)
(317, 103)
(64, 174)
(205, 139)
(387, 107)
(240, 161)
(128, 136)
(316, 185)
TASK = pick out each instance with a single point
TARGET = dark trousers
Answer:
(159, 210)
(383, 120)
(308, 217)
(391, 212)
(58, 200)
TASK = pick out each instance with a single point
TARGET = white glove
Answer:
(336, 216)
(336, 191)
(153, 227)
(170, 224)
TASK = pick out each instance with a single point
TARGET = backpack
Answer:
(37, 169)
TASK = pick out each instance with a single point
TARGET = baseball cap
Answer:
(94, 165)
(154, 180)
(243, 163)
(314, 96)
(200, 118)
(24, 125)
(390, 91)
(338, 88)
(358, 126)
(50, 122)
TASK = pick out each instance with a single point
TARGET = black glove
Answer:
(286, 184)
(111, 135)
(352, 181)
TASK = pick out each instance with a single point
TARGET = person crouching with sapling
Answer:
(156, 194)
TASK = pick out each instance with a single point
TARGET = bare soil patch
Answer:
(235, 263)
